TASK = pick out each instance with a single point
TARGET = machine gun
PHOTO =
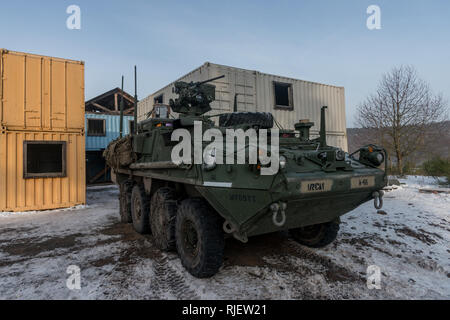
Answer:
(194, 98)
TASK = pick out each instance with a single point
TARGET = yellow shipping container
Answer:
(42, 142)
(41, 93)
(23, 187)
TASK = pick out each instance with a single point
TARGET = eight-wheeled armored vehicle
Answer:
(191, 207)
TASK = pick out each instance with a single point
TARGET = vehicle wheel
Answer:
(199, 238)
(140, 209)
(163, 211)
(125, 201)
(316, 236)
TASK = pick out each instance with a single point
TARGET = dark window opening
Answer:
(44, 159)
(283, 95)
(159, 99)
(131, 126)
(96, 127)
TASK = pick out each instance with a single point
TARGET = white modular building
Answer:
(288, 99)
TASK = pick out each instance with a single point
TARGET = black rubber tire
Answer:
(125, 201)
(163, 212)
(140, 209)
(263, 120)
(204, 258)
(316, 236)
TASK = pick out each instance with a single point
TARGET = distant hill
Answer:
(437, 141)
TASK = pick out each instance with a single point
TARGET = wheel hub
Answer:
(190, 238)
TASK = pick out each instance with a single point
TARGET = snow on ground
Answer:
(408, 242)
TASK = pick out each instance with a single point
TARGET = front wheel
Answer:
(199, 238)
(316, 236)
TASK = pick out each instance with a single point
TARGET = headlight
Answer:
(376, 158)
(209, 159)
(283, 162)
(380, 157)
(371, 155)
(340, 155)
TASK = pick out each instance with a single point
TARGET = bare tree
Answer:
(400, 112)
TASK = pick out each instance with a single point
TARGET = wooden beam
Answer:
(130, 110)
(103, 108)
(126, 97)
(98, 175)
(116, 103)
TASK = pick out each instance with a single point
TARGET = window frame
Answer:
(159, 96)
(96, 134)
(30, 175)
(290, 95)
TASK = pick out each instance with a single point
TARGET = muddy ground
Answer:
(118, 263)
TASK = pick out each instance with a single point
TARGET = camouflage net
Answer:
(119, 153)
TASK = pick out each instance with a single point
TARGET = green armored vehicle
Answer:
(192, 206)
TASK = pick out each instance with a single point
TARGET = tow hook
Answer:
(228, 227)
(278, 209)
(378, 199)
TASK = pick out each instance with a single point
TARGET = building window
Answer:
(159, 99)
(96, 127)
(43, 159)
(161, 112)
(131, 126)
(283, 95)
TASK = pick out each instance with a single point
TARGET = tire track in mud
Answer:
(167, 280)
(296, 270)
(141, 267)
(334, 271)
(318, 276)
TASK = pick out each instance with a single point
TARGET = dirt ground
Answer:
(117, 263)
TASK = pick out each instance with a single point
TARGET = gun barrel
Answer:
(209, 80)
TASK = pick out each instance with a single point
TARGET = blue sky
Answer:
(322, 41)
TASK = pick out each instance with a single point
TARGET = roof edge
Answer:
(207, 64)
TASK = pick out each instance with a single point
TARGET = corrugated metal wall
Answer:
(112, 127)
(19, 194)
(41, 99)
(41, 93)
(255, 93)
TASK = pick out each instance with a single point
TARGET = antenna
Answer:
(135, 100)
(323, 132)
(121, 112)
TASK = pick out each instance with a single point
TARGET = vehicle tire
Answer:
(199, 237)
(316, 236)
(163, 212)
(125, 201)
(263, 120)
(140, 210)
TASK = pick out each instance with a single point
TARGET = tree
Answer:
(400, 112)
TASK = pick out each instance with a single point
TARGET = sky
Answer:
(324, 41)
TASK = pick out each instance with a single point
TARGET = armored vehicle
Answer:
(192, 207)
